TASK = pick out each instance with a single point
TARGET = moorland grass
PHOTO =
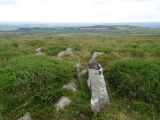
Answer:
(115, 47)
(136, 78)
(32, 81)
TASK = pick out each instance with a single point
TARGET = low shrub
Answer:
(55, 49)
(7, 53)
(136, 78)
(33, 80)
(106, 59)
(36, 43)
(141, 107)
(77, 47)
(100, 49)
(157, 51)
(133, 52)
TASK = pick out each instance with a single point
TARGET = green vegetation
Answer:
(137, 79)
(55, 49)
(33, 83)
(32, 80)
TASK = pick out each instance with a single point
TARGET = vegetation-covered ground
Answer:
(17, 50)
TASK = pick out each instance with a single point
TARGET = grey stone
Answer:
(71, 85)
(38, 50)
(83, 72)
(27, 116)
(40, 53)
(97, 85)
(96, 54)
(66, 52)
(64, 101)
(78, 65)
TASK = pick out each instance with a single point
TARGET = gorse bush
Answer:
(136, 78)
(33, 80)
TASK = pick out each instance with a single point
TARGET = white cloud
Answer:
(80, 10)
(10, 2)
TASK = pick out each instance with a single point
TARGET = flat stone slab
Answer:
(64, 101)
(71, 85)
(97, 85)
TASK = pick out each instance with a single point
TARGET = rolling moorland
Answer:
(33, 83)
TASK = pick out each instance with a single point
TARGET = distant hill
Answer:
(57, 25)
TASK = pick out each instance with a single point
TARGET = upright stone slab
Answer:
(97, 85)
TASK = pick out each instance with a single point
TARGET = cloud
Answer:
(80, 10)
(99, 2)
(8, 2)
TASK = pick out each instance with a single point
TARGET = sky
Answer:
(92, 11)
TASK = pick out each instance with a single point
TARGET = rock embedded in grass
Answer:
(63, 101)
(71, 85)
(96, 54)
(83, 72)
(66, 52)
(27, 116)
(38, 51)
(97, 85)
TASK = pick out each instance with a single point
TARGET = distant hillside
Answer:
(57, 25)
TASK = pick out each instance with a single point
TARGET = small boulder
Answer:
(38, 51)
(96, 54)
(66, 52)
(97, 85)
(78, 66)
(83, 72)
(71, 85)
(27, 116)
(64, 101)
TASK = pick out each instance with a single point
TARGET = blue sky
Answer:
(80, 10)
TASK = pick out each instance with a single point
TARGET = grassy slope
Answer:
(116, 47)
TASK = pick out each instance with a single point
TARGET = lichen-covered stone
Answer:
(97, 85)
